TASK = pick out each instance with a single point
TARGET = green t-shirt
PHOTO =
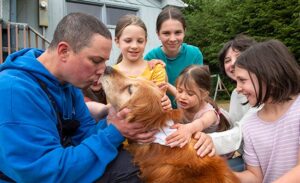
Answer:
(188, 55)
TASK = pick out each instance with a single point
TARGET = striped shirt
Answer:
(274, 146)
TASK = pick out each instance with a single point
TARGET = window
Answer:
(108, 13)
(113, 14)
(90, 9)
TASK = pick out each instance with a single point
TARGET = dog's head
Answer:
(141, 96)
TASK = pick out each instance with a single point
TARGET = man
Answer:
(46, 131)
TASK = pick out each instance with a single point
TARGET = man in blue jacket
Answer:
(46, 131)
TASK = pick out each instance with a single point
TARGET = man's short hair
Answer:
(77, 29)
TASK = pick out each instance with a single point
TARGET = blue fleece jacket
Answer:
(30, 149)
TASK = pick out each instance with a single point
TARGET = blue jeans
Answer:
(236, 164)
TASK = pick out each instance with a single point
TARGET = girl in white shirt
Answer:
(230, 140)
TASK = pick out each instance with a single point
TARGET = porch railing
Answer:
(15, 36)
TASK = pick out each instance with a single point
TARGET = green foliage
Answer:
(211, 23)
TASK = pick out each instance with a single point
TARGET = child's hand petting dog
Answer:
(134, 131)
(204, 146)
(181, 137)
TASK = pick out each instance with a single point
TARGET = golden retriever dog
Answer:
(160, 163)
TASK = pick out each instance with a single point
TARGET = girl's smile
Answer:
(247, 84)
(132, 43)
(171, 35)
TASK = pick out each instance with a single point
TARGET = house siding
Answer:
(147, 10)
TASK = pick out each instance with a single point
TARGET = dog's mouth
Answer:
(117, 87)
(108, 70)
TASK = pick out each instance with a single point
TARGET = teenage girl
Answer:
(131, 38)
(200, 113)
(227, 57)
(269, 76)
(230, 140)
(170, 28)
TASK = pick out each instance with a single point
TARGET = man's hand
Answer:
(133, 131)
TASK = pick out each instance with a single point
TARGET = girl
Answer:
(170, 28)
(200, 113)
(131, 38)
(238, 108)
(268, 75)
(227, 57)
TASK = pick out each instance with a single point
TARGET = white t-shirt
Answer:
(236, 108)
(230, 140)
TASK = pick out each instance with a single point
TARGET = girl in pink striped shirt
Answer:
(269, 76)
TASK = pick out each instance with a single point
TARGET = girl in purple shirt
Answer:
(268, 75)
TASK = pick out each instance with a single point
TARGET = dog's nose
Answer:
(108, 70)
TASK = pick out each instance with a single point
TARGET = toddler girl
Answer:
(200, 113)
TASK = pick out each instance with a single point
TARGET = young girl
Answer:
(200, 113)
(170, 28)
(268, 75)
(131, 38)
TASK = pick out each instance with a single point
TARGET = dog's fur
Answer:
(158, 163)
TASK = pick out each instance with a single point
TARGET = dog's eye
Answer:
(129, 89)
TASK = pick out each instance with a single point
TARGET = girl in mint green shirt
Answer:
(170, 28)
